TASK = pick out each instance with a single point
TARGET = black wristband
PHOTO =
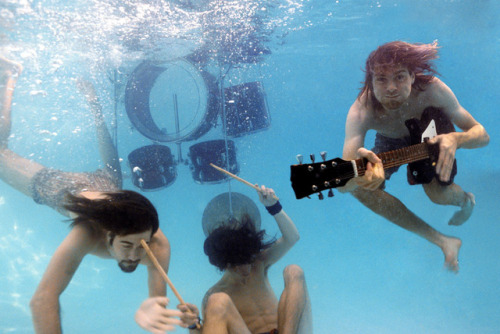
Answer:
(195, 325)
(275, 208)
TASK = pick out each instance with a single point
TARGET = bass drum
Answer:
(171, 101)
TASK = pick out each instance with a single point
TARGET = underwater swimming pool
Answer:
(364, 274)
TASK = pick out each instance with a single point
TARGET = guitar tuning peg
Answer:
(320, 196)
(323, 155)
(312, 156)
(299, 158)
(330, 193)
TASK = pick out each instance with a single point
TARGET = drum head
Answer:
(153, 167)
(212, 151)
(218, 211)
(171, 101)
(246, 109)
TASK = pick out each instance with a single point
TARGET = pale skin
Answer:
(392, 87)
(243, 301)
(80, 241)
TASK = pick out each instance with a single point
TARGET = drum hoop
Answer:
(155, 147)
(137, 99)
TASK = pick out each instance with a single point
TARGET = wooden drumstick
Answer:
(235, 177)
(163, 274)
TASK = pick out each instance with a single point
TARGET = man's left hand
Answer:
(154, 317)
(447, 148)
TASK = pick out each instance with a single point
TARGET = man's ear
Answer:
(110, 236)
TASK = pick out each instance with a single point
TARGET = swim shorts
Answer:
(274, 331)
(50, 186)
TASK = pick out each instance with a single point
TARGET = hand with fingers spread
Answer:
(154, 317)
(447, 148)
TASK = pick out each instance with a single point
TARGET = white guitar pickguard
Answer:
(430, 132)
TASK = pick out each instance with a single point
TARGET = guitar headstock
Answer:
(314, 177)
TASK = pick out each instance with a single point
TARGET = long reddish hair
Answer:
(417, 58)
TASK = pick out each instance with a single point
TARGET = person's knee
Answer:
(436, 193)
(218, 303)
(293, 273)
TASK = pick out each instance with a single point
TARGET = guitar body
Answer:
(423, 171)
(421, 157)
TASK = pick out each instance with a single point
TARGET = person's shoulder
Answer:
(217, 287)
(84, 240)
(436, 92)
(361, 112)
(159, 239)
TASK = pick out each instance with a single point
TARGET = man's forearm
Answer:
(46, 317)
(287, 227)
(475, 137)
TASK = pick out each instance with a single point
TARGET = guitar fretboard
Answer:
(398, 157)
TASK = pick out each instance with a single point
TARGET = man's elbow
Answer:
(483, 138)
(37, 302)
(486, 138)
(40, 301)
(294, 239)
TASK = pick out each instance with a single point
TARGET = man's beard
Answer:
(392, 104)
(128, 266)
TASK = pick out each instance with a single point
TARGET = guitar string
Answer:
(390, 164)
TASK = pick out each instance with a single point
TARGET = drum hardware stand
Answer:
(224, 129)
(177, 130)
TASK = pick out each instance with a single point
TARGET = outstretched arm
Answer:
(289, 233)
(107, 149)
(45, 307)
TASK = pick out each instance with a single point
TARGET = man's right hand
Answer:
(374, 175)
(154, 317)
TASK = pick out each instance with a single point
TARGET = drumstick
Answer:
(162, 272)
(164, 275)
(235, 177)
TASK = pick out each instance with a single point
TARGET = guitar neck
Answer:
(397, 157)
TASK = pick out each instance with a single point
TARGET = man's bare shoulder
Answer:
(436, 93)
(160, 246)
(88, 240)
(217, 287)
(361, 114)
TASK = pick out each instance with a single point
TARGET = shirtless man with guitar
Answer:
(400, 95)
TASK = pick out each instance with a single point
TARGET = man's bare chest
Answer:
(393, 123)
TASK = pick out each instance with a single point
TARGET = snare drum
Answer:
(153, 167)
(212, 151)
(246, 109)
(171, 101)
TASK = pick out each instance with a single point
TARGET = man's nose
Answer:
(135, 254)
(391, 86)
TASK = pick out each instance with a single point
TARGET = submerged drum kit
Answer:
(179, 101)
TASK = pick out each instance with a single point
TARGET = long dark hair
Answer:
(235, 243)
(417, 58)
(122, 212)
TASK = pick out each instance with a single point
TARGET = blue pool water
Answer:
(364, 274)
